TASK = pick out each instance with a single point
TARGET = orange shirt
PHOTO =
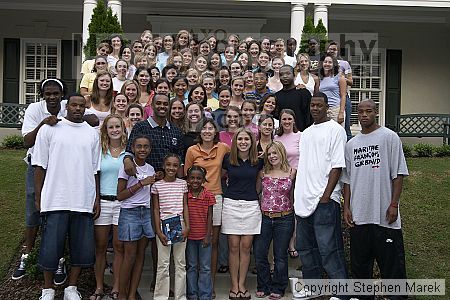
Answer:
(210, 160)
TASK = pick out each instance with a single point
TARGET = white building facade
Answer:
(403, 67)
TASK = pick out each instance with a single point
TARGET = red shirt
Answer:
(198, 213)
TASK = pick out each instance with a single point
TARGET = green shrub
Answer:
(407, 150)
(33, 270)
(443, 150)
(424, 150)
(13, 141)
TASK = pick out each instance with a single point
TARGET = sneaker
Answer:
(303, 293)
(60, 275)
(71, 293)
(21, 270)
(47, 294)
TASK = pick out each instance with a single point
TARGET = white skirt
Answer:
(241, 217)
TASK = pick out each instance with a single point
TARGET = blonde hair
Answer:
(104, 138)
(139, 57)
(252, 153)
(297, 68)
(281, 152)
(138, 90)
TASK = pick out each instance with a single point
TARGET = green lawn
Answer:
(425, 211)
(12, 204)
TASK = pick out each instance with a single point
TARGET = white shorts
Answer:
(217, 211)
(241, 217)
(109, 213)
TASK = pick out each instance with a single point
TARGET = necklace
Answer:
(115, 149)
(141, 170)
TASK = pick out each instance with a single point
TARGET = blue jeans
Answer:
(320, 244)
(198, 275)
(32, 217)
(56, 225)
(280, 231)
(348, 113)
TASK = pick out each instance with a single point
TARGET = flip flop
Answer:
(97, 296)
(245, 295)
(260, 294)
(293, 253)
(236, 295)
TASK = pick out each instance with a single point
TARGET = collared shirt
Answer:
(211, 160)
(164, 140)
(254, 95)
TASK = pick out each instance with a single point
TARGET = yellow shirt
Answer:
(88, 81)
(213, 103)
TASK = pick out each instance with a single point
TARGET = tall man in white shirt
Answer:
(48, 111)
(317, 195)
(375, 167)
(66, 157)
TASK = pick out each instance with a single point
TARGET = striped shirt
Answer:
(170, 197)
(198, 213)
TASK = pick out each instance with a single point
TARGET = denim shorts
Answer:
(135, 223)
(32, 217)
(56, 225)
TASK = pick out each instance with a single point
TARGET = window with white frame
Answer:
(40, 60)
(367, 81)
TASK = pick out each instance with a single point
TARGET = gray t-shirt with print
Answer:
(372, 161)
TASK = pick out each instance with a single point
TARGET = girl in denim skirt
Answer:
(135, 222)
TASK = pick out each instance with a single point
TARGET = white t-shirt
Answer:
(290, 60)
(35, 113)
(70, 153)
(321, 149)
(117, 84)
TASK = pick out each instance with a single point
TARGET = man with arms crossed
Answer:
(317, 196)
(66, 156)
(375, 167)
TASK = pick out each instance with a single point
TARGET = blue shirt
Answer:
(109, 169)
(241, 179)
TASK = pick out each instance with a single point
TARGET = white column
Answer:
(88, 10)
(297, 22)
(321, 12)
(116, 7)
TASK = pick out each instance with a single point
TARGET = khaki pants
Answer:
(162, 274)
(333, 113)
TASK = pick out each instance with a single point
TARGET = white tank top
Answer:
(309, 85)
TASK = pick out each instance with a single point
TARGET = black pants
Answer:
(385, 245)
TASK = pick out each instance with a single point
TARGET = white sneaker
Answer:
(71, 293)
(47, 294)
(303, 293)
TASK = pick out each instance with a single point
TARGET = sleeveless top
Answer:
(330, 87)
(276, 194)
(309, 85)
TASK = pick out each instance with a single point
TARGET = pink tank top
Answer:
(276, 194)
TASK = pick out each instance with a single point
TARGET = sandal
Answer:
(97, 296)
(275, 296)
(236, 295)
(260, 294)
(223, 269)
(293, 253)
(114, 295)
(245, 295)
